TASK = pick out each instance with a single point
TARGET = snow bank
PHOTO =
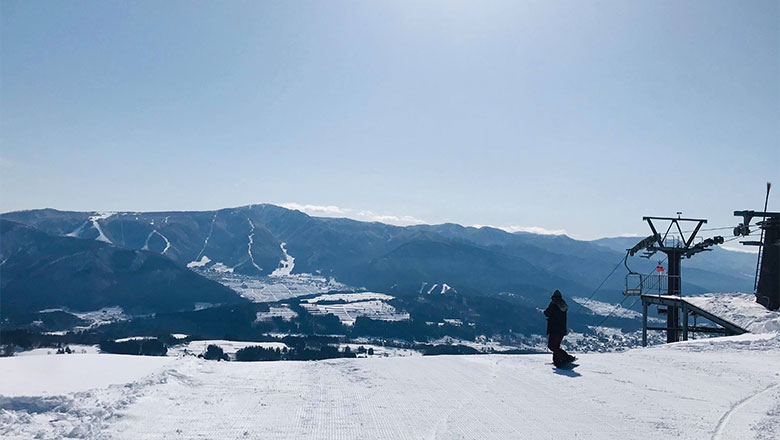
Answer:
(739, 308)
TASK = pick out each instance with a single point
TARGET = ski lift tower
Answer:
(766, 285)
(675, 249)
(767, 282)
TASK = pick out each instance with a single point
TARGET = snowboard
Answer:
(568, 364)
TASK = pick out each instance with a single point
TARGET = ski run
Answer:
(708, 388)
(285, 266)
(249, 249)
(148, 237)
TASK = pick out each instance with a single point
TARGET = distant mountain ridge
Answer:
(483, 261)
(41, 271)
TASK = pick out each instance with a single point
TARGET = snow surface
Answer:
(74, 348)
(229, 347)
(71, 373)
(285, 266)
(221, 267)
(95, 219)
(283, 311)
(350, 297)
(96, 318)
(349, 312)
(725, 388)
(134, 338)
(167, 243)
(740, 309)
(206, 241)
(249, 248)
(369, 304)
(204, 260)
(436, 288)
(272, 289)
(604, 309)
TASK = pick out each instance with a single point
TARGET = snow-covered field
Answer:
(272, 288)
(604, 309)
(352, 305)
(349, 312)
(714, 388)
(96, 318)
(350, 297)
(229, 347)
(283, 311)
(74, 349)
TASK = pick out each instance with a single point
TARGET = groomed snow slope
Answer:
(714, 388)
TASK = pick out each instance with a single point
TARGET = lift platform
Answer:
(685, 310)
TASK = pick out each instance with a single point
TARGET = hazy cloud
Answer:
(531, 229)
(355, 214)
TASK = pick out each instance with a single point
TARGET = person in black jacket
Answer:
(556, 328)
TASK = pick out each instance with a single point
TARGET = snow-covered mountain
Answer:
(267, 240)
(40, 271)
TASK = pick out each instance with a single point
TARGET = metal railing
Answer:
(654, 284)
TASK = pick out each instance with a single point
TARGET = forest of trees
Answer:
(142, 347)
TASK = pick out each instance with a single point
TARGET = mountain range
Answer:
(86, 260)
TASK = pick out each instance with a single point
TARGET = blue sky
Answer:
(575, 116)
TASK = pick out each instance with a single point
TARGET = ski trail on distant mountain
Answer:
(206, 241)
(95, 223)
(724, 420)
(167, 243)
(251, 240)
(93, 220)
(287, 264)
(76, 233)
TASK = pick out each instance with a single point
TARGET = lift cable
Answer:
(622, 261)
(635, 300)
(614, 309)
(721, 229)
